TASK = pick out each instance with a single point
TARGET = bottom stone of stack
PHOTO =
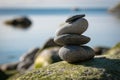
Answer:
(71, 53)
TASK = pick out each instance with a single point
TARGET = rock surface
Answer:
(104, 67)
(77, 27)
(71, 39)
(72, 53)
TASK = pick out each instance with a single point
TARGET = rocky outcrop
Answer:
(47, 57)
(23, 64)
(27, 59)
(104, 67)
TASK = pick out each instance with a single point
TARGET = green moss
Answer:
(100, 68)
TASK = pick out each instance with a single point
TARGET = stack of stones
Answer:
(71, 38)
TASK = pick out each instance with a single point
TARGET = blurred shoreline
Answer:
(44, 11)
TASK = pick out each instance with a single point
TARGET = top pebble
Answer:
(74, 18)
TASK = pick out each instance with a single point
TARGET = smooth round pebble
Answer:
(71, 39)
(72, 53)
(77, 27)
(74, 18)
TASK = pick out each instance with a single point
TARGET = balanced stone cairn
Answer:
(71, 38)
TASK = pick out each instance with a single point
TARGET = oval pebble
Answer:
(76, 53)
(77, 27)
(71, 39)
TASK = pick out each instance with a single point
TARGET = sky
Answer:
(56, 3)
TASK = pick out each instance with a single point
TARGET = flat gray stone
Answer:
(77, 27)
(76, 53)
(71, 39)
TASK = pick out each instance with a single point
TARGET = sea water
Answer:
(104, 29)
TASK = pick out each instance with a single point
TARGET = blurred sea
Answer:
(104, 29)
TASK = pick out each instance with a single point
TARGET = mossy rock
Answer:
(105, 67)
(114, 53)
(47, 57)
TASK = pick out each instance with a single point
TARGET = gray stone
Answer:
(29, 55)
(76, 53)
(74, 18)
(24, 65)
(71, 39)
(27, 59)
(77, 27)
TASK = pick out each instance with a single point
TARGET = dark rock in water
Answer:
(74, 18)
(75, 9)
(27, 59)
(100, 50)
(71, 53)
(22, 22)
(71, 39)
(9, 66)
(50, 43)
